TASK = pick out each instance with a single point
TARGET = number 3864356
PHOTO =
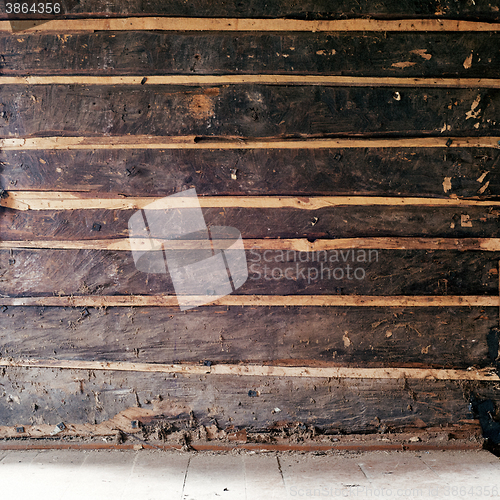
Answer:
(35, 8)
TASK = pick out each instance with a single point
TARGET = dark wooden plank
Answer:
(359, 171)
(247, 111)
(347, 405)
(155, 53)
(326, 223)
(397, 272)
(369, 337)
(310, 9)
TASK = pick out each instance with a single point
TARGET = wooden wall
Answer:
(345, 126)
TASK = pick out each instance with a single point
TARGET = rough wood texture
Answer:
(310, 9)
(293, 131)
(255, 110)
(442, 338)
(348, 405)
(339, 222)
(396, 272)
(308, 54)
(368, 171)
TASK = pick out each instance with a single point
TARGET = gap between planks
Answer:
(242, 24)
(259, 301)
(194, 142)
(297, 244)
(81, 200)
(339, 81)
(262, 370)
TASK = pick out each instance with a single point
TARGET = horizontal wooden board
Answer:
(82, 396)
(163, 53)
(103, 301)
(312, 336)
(272, 79)
(255, 110)
(259, 370)
(338, 222)
(310, 9)
(139, 141)
(390, 272)
(340, 248)
(369, 171)
(65, 200)
(240, 25)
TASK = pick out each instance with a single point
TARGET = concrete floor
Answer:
(152, 475)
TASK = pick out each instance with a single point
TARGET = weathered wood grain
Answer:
(369, 171)
(339, 222)
(349, 405)
(309, 9)
(397, 272)
(354, 336)
(255, 110)
(439, 55)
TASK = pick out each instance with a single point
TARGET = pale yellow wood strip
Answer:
(261, 370)
(260, 300)
(243, 24)
(290, 79)
(64, 200)
(297, 244)
(191, 142)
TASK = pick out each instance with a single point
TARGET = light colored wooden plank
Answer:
(63, 200)
(289, 79)
(260, 300)
(242, 24)
(261, 370)
(191, 142)
(297, 245)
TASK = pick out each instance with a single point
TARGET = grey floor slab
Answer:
(173, 475)
(323, 476)
(157, 475)
(215, 476)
